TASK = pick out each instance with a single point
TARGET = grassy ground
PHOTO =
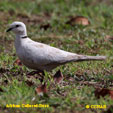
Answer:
(78, 87)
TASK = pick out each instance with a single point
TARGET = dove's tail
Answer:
(86, 58)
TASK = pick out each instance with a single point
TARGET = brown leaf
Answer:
(78, 20)
(58, 77)
(1, 90)
(111, 94)
(81, 42)
(18, 62)
(108, 38)
(41, 90)
(45, 26)
(103, 92)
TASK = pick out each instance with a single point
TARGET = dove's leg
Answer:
(36, 72)
(39, 72)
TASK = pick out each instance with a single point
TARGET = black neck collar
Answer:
(24, 37)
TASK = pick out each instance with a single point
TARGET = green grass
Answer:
(72, 95)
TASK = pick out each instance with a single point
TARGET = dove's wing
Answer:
(43, 54)
(46, 55)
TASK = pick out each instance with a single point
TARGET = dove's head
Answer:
(18, 28)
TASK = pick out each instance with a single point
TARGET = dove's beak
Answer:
(9, 29)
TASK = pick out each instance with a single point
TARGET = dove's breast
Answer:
(31, 54)
(25, 52)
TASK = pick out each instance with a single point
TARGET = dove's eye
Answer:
(17, 25)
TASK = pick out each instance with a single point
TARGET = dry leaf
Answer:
(41, 90)
(58, 77)
(78, 20)
(1, 90)
(111, 94)
(103, 92)
(18, 62)
(81, 42)
(108, 38)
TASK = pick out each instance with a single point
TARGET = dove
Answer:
(39, 56)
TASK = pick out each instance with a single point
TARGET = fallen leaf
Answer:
(58, 77)
(41, 90)
(1, 90)
(103, 92)
(81, 42)
(111, 94)
(45, 26)
(78, 20)
(108, 38)
(18, 62)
